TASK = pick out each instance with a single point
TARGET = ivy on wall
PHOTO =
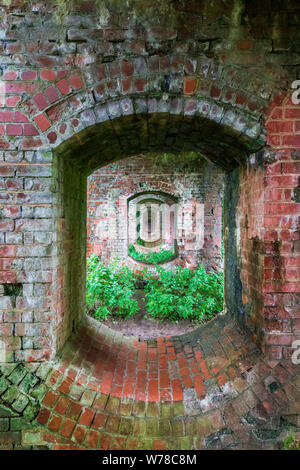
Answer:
(156, 257)
(184, 159)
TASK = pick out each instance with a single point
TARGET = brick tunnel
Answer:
(80, 91)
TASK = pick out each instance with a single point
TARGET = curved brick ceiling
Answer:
(125, 136)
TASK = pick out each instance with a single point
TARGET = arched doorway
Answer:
(122, 136)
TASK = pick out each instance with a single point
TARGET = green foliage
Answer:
(183, 159)
(110, 290)
(13, 290)
(291, 443)
(140, 242)
(194, 295)
(152, 257)
(184, 294)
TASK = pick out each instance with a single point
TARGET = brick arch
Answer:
(263, 282)
(165, 111)
(124, 127)
(106, 141)
(87, 128)
(191, 87)
(153, 190)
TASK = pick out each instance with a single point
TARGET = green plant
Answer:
(291, 443)
(185, 159)
(140, 242)
(184, 294)
(110, 290)
(157, 257)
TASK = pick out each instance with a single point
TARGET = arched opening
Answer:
(159, 216)
(121, 137)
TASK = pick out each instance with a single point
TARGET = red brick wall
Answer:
(269, 220)
(282, 230)
(250, 216)
(111, 186)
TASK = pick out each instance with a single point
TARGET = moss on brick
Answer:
(28, 382)
(39, 392)
(139, 408)
(11, 394)
(153, 410)
(126, 426)
(113, 405)
(4, 424)
(20, 403)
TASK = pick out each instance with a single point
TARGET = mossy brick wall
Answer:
(194, 182)
(78, 95)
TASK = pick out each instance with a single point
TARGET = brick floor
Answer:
(210, 388)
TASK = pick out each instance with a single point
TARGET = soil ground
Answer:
(143, 326)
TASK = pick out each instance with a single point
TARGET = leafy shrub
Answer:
(110, 290)
(291, 443)
(194, 295)
(151, 258)
(183, 294)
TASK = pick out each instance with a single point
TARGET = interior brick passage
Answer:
(196, 185)
(208, 389)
